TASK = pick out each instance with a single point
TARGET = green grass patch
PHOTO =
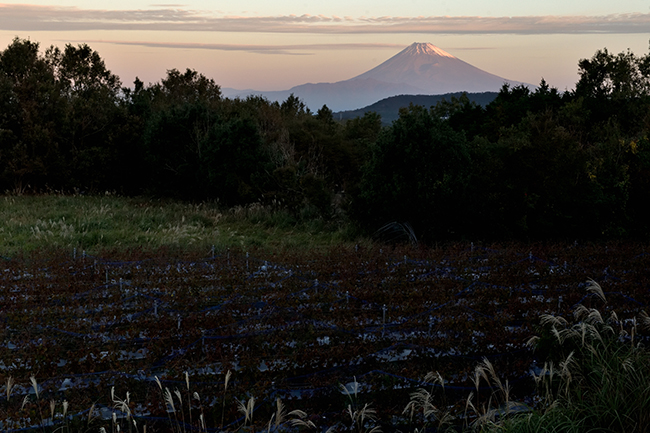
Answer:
(91, 223)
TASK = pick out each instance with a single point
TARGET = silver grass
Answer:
(180, 405)
(594, 287)
(247, 409)
(268, 429)
(588, 329)
(538, 377)
(359, 417)
(565, 372)
(486, 371)
(549, 319)
(565, 366)
(420, 399)
(628, 365)
(482, 417)
(594, 334)
(580, 312)
(122, 405)
(32, 379)
(10, 386)
(551, 375)
(478, 372)
(468, 404)
(566, 334)
(225, 384)
(410, 408)
(355, 389)
(594, 316)
(90, 414)
(435, 378)
(583, 331)
(279, 412)
(169, 399)
(532, 341)
(189, 398)
(299, 420)
(645, 319)
(251, 407)
(223, 401)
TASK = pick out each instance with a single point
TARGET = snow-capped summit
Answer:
(418, 48)
(433, 70)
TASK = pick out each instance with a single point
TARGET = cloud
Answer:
(175, 18)
(298, 49)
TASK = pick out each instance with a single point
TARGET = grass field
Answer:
(94, 223)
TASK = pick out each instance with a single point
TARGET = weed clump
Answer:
(596, 377)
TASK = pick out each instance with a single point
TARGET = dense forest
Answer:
(532, 164)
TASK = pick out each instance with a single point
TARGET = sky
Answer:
(275, 45)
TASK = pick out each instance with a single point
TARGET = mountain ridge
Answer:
(388, 108)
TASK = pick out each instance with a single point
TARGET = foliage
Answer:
(531, 164)
(417, 173)
(596, 375)
(31, 109)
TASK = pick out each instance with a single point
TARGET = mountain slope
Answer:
(419, 69)
(341, 95)
(388, 108)
(435, 71)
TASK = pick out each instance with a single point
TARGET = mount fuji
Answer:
(419, 69)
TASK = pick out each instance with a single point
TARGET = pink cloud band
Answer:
(168, 18)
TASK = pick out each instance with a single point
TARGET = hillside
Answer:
(388, 108)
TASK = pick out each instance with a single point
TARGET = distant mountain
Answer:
(419, 69)
(342, 95)
(388, 108)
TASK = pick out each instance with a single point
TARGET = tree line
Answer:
(533, 164)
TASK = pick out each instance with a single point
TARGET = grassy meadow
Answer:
(94, 223)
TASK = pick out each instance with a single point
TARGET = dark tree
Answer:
(32, 109)
(417, 173)
(92, 130)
